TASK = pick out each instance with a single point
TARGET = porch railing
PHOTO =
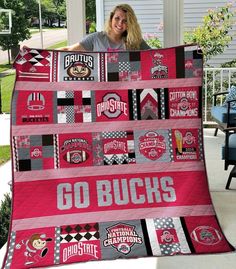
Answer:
(215, 80)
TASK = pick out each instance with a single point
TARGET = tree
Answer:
(213, 35)
(20, 25)
(5, 213)
(31, 9)
(91, 10)
(54, 9)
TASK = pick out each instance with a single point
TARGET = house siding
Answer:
(150, 17)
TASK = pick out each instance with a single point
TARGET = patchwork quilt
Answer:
(108, 160)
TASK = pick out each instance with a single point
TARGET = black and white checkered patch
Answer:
(118, 134)
(124, 66)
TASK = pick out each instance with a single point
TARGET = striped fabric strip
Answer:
(131, 214)
(118, 85)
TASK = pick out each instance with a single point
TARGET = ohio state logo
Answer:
(167, 237)
(189, 139)
(112, 106)
(152, 145)
(36, 153)
(189, 64)
(122, 237)
(206, 235)
(184, 104)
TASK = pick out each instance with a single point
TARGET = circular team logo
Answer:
(189, 139)
(124, 248)
(184, 104)
(36, 153)
(206, 235)
(152, 145)
(78, 70)
(167, 237)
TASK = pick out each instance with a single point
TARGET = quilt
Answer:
(108, 159)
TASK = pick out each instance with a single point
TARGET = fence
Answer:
(215, 80)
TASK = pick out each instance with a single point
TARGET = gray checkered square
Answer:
(124, 66)
(113, 67)
(135, 66)
(36, 164)
(48, 151)
(23, 154)
(163, 223)
(123, 57)
(114, 134)
(70, 114)
(35, 140)
(170, 249)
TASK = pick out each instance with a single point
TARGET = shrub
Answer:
(5, 213)
(213, 35)
(152, 40)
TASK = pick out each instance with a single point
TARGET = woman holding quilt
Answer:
(122, 32)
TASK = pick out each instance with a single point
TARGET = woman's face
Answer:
(119, 22)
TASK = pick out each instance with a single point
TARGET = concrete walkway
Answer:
(223, 200)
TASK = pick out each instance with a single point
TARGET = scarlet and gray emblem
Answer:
(152, 145)
(76, 156)
(184, 104)
(206, 235)
(189, 138)
(122, 237)
(167, 237)
(159, 70)
(112, 106)
(36, 101)
(75, 150)
(79, 70)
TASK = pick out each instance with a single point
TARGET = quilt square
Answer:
(152, 146)
(34, 247)
(122, 239)
(157, 65)
(183, 102)
(205, 234)
(112, 105)
(185, 144)
(81, 66)
(40, 148)
(80, 242)
(34, 65)
(36, 108)
(115, 151)
(75, 150)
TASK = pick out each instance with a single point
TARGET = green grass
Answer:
(7, 84)
(58, 45)
(4, 67)
(5, 154)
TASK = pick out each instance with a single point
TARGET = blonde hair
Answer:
(133, 36)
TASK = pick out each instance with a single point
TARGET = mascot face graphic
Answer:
(78, 70)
